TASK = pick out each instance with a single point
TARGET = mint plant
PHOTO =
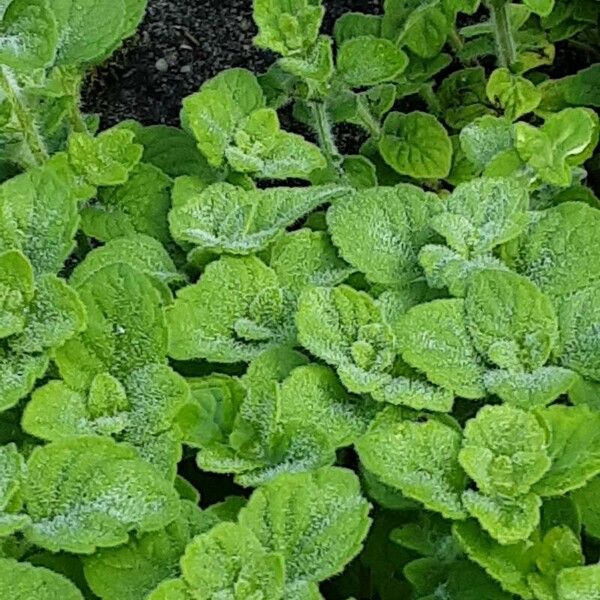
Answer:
(237, 362)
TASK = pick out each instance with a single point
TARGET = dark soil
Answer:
(181, 44)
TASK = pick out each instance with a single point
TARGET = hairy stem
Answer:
(34, 141)
(370, 123)
(455, 40)
(505, 44)
(325, 136)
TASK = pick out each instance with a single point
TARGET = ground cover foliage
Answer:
(383, 366)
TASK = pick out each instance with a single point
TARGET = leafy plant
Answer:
(381, 368)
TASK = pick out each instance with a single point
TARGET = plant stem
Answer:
(29, 130)
(433, 104)
(325, 137)
(505, 44)
(370, 123)
(455, 40)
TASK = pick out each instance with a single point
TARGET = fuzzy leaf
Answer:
(366, 60)
(106, 159)
(484, 139)
(316, 521)
(482, 214)
(126, 327)
(287, 27)
(516, 95)
(88, 492)
(344, 327)
(28, 35)
(511, 322)
(381, 230)
(434, 339)
(16, 291)
(418, 458)
(579, 582)
(225, 218)
(208, 321)
(574, 448)
(18, 374)
(23, 581)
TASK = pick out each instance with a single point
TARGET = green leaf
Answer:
(208, 321)
(18, 374)
(425, 30)
(287, 27)
(516, 95)
(307, 258)
(122, 492)
(578, 583)
(366, 60)
(316, 521)
(225, 218)
(511, 322)
(139, 206)
(574, 448)
(28, 35)
(172, 150)
(381, 230)
(445, 268)
(504, 451)
(106, 159)
(418, 456)
(482, 214)
(417, 145)
(12, 474)
(85, 40)
(508, 520)
(126, 327)
(579, 318)
(38, 215)
(559, 251)
(559, 549)
(355, 24)
(587, 505)
(344, 327)
(507, 564)
(54, 315)
(316, 68)
(565, 139)
(540, 7)
(16, 291)
(530, 390)
(435, 340)
(141, 252)
(213, 114)
(132, 571)
(227, 561)
(484, 138)
(23, 581)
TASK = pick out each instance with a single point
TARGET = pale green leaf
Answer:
(28, 35)
(516, 95)
(316, 521)
(88, 492)
(511, 322)
(435, 340)
(126, 327)
(233, 313)
(579, 583)
(366, 60)
(574, 448)
(23, 581)
(504, 450)
(381, 230)
(287, 27)
(419, 457)
(345, 328)
(55, 315)
(106, 159)
(16, 291)
(18, 374)
(484, 138)
(225, 218)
